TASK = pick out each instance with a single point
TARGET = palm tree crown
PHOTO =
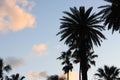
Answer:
(111, 14)
(66, 56)
(108, 73)
(79, 26)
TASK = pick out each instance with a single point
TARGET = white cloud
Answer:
(36, 76)
(40, 49)
(14, 16)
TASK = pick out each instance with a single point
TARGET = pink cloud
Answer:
(14, 17)
(36, 76)
(40, 48)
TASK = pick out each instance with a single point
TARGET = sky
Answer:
(29, 43)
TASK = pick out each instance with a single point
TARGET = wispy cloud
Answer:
(36, 76)
(15, 62)
(40, 49)
(14, 15)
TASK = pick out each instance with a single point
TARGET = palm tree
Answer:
(111, 14)
(55, 77)
(65, 56)
(90, 59)
(108, 73)
(3, 68)
(17, 77)
(80, 30)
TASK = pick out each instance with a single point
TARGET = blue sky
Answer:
(28, 38)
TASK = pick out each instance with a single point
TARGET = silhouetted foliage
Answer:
(108, 73)
(17, 77)
(3, 68)
(80, 30)
(66, 56)
(111, 15)
(55, 77)
(90, 58)
(7, 78)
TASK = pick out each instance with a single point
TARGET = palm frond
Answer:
(7, 68)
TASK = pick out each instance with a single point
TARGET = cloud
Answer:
(40, 49)
(14, 62)
(35, 76)
(14, 15)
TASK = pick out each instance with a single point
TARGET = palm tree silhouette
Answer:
(108, 73)
(3, 68)
(66, 56)
(111, 15)
(17, 77)
(80, 30)
(55, 77)
(90, 59)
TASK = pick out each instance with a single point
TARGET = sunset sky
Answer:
(29, 43)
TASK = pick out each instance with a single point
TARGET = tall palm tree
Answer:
(66, 56)
(81, 30)
(108, 73)
(3, 68)
(111, 15)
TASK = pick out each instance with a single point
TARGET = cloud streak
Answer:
(14, 62)
(14, 15)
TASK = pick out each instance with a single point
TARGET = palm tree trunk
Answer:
(80, 72)
(84, 67)
(68, 76)
(83, 59)
(84, 75)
